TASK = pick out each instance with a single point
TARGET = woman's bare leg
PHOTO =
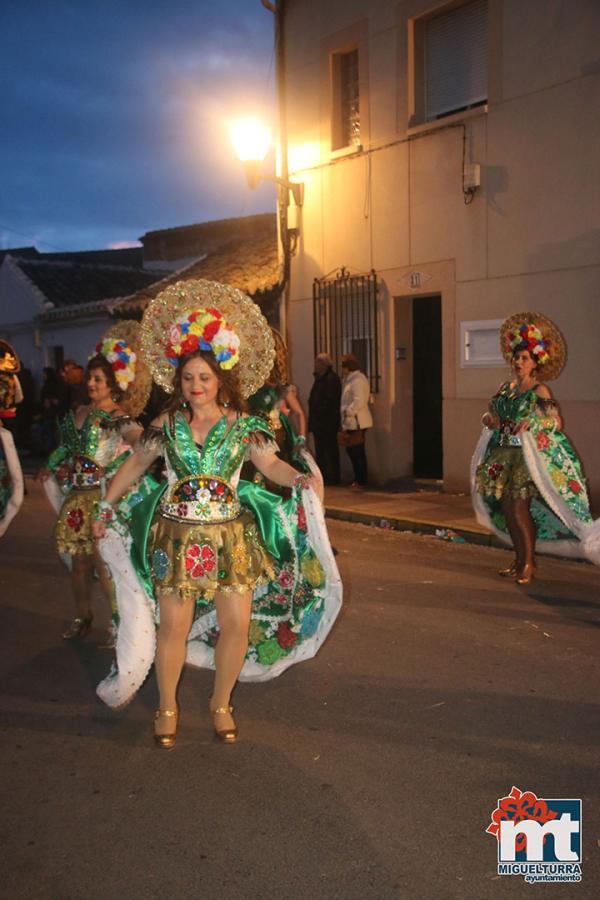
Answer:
(107, 586)
(81, 583)
(175, 623)
(526, 526)
(508, 510)
(233, 614)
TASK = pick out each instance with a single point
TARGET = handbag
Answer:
(351, 438)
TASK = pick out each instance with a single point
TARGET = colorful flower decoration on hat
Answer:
(122, 360)
(203, 329)
(529, 337)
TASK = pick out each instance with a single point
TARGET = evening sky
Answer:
(115, 116)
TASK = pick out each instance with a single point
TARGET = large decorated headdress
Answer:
(121, 348)
(536, 333)
(279, 372)
(205, 315)
(9, 361)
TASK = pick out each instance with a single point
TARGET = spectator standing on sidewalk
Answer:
(324, 417)
(356, 417)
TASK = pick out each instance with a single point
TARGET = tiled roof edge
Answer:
(13, 263)
(78, 310)
(210, 223)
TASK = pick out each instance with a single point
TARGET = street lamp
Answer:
(251, 140)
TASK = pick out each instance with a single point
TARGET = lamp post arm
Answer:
(254, 175)
(296, 188)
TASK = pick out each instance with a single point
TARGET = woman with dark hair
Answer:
(527, 479)
(356, 417)
(96, 439)
(239, 579)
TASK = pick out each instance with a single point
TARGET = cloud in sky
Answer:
(115, 116)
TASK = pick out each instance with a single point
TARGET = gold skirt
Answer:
(196, 560)
(505, 473)
(74, 526)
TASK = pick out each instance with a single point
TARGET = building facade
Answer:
(450, 150)
(55, 309)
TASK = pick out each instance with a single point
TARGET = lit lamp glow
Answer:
(251, 140)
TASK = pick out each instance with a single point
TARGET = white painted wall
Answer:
(21, 304)
(529, 240)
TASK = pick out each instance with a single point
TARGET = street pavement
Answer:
(367, 773)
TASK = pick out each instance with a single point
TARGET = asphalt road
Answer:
(365, 774)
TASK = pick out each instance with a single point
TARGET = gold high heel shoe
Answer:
(225, 735)
(79, 627)
(527, 574)
(166, 741)
(509, 572)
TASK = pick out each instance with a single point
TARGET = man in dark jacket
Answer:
(324, 417)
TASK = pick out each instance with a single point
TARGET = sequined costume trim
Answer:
(73, 529)
(505, 472)
(201, 499)
(197, 560)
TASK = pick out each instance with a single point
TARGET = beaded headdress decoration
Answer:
(122, 360)
(121, 348)
(9, 361)
(205, 315)
(528, 337)
(538, 334)
(203, 329)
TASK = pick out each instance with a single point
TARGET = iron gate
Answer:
(345, 320)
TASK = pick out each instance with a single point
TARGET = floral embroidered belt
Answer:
(201, 499)
(85, 473)
(508, 438)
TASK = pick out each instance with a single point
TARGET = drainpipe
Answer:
(278, 10)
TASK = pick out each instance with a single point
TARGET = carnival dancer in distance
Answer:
(528, 485)
(95, 441)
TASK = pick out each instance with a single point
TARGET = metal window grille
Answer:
(345, 320)
(349, 99)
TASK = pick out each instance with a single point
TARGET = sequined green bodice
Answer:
(512, 406)
(92, 448)
(224, 449)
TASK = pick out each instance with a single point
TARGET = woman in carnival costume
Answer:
(11, 476)
(241, 580)
(95, 441)
(527, 481)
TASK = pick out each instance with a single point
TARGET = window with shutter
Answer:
(455, 60)
(346, 100)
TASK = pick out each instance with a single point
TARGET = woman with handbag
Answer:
(356, 417)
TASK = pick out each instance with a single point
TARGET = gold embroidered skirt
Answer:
(195, 560)
(505, 472)
(74, 526)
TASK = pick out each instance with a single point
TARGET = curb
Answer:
(393, 523)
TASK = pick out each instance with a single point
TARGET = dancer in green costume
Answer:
(95, 440)
(527, 481)
(239, 579)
